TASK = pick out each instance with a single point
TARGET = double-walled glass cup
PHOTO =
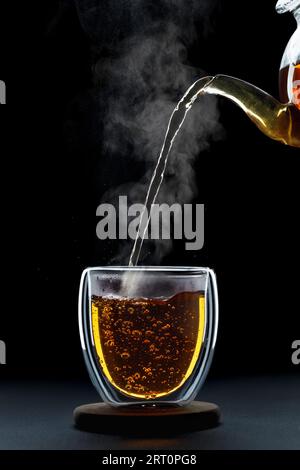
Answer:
(148, 333)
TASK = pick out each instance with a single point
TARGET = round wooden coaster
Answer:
(156, 420)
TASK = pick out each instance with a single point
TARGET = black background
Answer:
(51, 149)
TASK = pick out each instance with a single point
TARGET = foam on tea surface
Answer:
(148, 348)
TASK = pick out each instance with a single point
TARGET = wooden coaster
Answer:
(138, 421)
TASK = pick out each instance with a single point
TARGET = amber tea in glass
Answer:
(148, 347)
(148, 334)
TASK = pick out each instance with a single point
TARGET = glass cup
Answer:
(148, 333)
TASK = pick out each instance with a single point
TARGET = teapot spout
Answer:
(278, 121)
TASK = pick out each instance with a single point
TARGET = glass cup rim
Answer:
(195, 270)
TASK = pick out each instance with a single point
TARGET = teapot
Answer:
(279, 120)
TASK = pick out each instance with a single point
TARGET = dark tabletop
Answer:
(258, 413)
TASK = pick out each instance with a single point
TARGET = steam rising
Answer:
(144, 75)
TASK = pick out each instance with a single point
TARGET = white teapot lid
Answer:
(282, 6)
